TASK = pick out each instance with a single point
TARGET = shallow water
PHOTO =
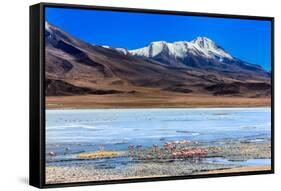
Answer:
(115, 129)
(249, 162)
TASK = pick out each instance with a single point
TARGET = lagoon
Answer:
(90, 129)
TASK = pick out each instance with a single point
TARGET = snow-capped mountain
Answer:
(75, 67)
(181, 52)
(201, 46)
(200, 53)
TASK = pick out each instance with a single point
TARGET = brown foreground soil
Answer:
(81, 174)
(151, 101)
(239, 169)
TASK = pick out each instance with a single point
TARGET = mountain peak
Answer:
(204, 42)
(202, 38)
(161, 42)
(201, 46)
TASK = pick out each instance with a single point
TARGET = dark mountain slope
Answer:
(72, 64)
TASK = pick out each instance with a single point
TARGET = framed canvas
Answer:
(128, 95)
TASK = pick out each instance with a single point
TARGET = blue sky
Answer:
(248, 40)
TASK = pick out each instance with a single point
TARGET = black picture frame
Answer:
(37, 94)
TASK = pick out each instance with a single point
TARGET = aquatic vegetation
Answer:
(99, 154)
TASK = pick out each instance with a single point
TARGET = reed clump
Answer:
(98, 154)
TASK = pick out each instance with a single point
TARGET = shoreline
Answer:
(239, 169)
(68, 174)
(123, 108)
(160, 101)
(233, 152)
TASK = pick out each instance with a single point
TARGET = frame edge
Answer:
(37, 60)
(35, 128)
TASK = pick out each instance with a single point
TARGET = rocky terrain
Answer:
(199, 67)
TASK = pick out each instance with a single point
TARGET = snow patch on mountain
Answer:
(47, 26)
(200, 46)
(122, 50)
(105, 46)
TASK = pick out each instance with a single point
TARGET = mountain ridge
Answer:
(97, 68)
(200, 45)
